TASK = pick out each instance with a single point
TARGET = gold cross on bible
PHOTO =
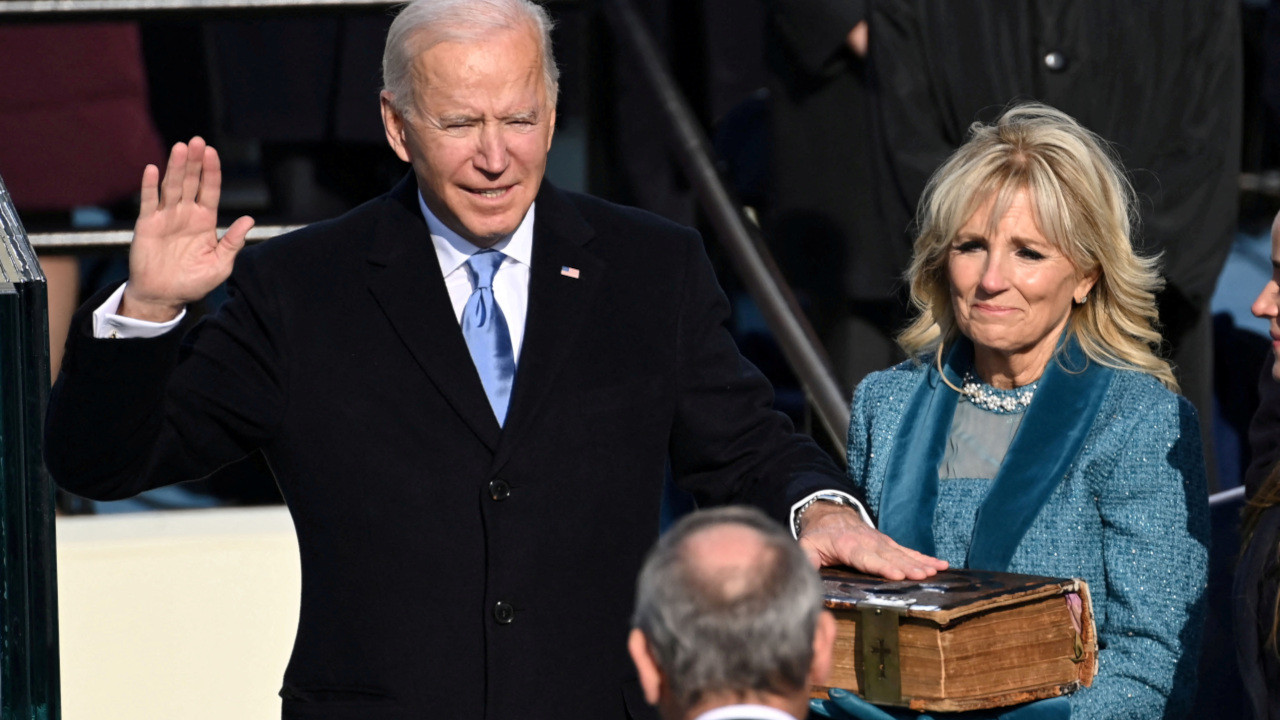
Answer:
(883, 653)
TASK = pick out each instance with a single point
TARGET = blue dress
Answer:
(1129, 515)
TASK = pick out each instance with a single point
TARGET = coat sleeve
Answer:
(1154, 513)
(130, 415)
(727, 442)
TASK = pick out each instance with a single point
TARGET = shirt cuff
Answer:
(848, 499)
(107, 324)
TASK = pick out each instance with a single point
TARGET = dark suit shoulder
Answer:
(612, 222)
(348, 234)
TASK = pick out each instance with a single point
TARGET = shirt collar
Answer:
(452, 250)
(728, 712)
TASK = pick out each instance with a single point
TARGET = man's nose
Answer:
(491, 154)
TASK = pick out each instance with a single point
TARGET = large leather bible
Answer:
(962, 640)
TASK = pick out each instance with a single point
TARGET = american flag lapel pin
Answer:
(569, 272)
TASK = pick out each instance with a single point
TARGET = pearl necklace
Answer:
(998, 401)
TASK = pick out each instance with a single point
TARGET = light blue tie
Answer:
(485, 330)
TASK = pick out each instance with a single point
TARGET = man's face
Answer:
(479, 132)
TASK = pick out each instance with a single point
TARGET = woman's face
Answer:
(1267, 305)
(1011, 290)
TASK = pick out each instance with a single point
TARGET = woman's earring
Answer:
(1082, 300)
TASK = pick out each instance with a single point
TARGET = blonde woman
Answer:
(1037, 431)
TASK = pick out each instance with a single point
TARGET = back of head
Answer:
(423, 24)
(737, 623)
(1082, 203)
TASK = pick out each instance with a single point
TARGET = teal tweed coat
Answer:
(1130, 516)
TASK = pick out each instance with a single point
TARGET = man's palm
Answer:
(176, 256)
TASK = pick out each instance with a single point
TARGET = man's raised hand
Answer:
(176, 256)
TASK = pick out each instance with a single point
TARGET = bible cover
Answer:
(961, 640)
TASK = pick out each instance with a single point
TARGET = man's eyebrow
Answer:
(455, 118)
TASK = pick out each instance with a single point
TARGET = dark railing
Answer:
(28, 574)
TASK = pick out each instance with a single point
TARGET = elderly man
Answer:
(729, 622)
(468, 389)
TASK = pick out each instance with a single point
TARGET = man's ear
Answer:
(824, 640)
(646, 666)
(393, 123)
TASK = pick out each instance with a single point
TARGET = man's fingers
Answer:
(195, 163)
(815, 557)
(171, 186)
(233, 239)
(210, 181)
(869, 551)
(921, 559)
(150, 191)
(888, 558)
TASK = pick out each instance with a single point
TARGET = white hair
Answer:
(423, 24)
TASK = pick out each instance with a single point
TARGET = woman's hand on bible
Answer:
(832, 534)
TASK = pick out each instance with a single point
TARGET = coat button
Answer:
(499, 490)
(504, 613)
(1055, 60)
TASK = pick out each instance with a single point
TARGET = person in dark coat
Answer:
(1256, 589)
(823, 218)
(469, 390)
(1264, 430)
(1161, 82)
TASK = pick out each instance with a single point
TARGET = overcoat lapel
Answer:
(405, 279)
(558, 306)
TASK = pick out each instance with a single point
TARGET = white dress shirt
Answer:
(510, 283)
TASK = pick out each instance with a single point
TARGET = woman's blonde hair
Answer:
(1081, 202)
